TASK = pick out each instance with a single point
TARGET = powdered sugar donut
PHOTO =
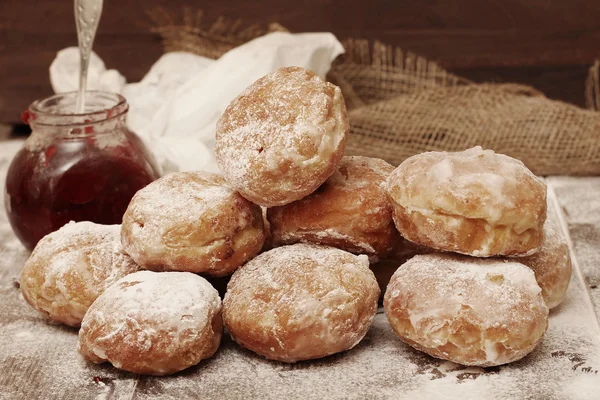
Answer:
(470, 311)
(191, 221)
(552, 266)
(301, 302)
(282, 137)
(153, 323)
(71, 267)
(349, 211)
(474, 202)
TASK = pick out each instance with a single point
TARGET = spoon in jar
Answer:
(87, 17)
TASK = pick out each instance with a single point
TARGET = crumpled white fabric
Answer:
(64, 73)
(175, 107)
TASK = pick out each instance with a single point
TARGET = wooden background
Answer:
(549, 44)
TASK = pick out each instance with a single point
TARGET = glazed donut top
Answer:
(497, 293)
(290, 116)
(475, 184)
(554, 245)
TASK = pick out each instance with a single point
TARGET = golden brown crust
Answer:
(467, 310)
(282, 137)
(301, 302)
(191, 221)
(349, 211)
(475, 237)
(71, 267)
(474, 202)
(552, 266)
(153, 323)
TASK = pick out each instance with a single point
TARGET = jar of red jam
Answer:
(75, 167)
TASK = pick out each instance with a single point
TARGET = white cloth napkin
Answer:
(175, 107)
(64, 73)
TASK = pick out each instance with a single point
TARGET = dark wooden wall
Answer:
(546, 43)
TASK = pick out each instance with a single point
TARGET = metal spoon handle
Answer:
(87, 17)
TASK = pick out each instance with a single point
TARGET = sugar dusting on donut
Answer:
(192, 221)
(461, 280)
(475, 183)
(301, 302)
(154, 323)
(356, 167)
(471, 311)
(474, 202)
(176, 194)
(552, 266)
(280, 138)
(278, 134)
(69, 269)
(74, 237)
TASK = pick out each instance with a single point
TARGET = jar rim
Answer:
(102, 105)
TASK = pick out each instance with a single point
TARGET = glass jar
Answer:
(75, 167)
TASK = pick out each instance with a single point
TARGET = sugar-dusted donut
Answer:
(552, 266)
(471, 311)
(474, 202)
(153, 323)
(282, 137)
(301, 302)
(349, 211)
(71, 267)
(192, 221)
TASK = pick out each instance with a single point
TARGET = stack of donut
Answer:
(302, 228)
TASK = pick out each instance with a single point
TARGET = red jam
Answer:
(77, 178)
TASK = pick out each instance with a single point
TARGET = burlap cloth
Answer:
(402, 104)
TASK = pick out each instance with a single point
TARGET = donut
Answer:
(552, 266)
(69, 268)
(192, 222)
(349, 211)
(153, 323)
(280, 139)
(301, 302)
(474, 202)
(472, 311)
